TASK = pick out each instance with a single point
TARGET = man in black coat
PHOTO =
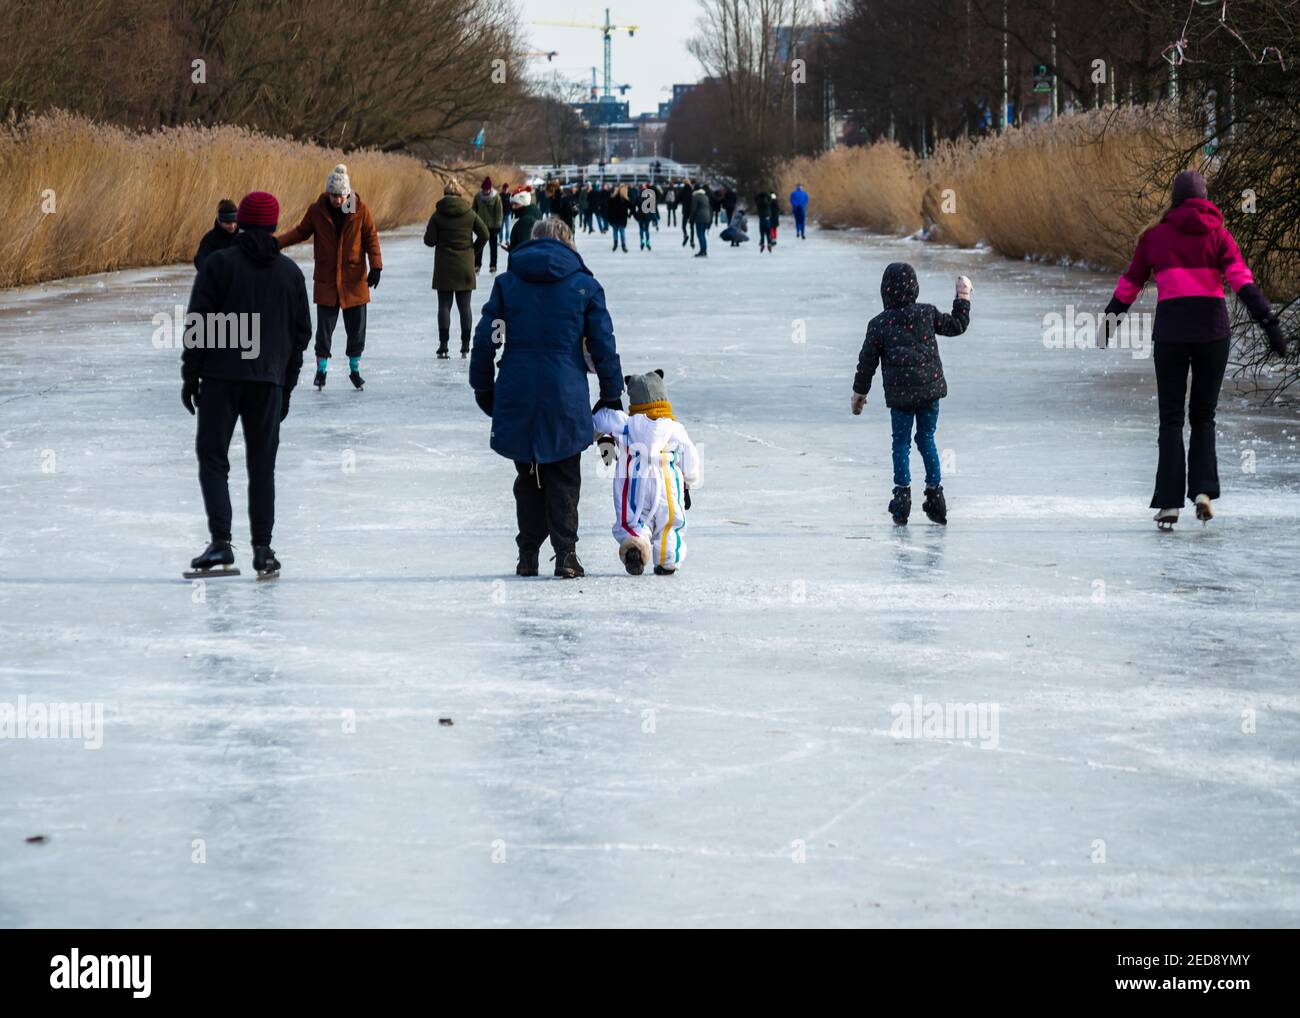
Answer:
(684, 192)
(223, 232)
(247, 325)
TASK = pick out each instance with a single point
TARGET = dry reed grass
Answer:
(126, 199)
(1074, 190)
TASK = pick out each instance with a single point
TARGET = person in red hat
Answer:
(247, 326)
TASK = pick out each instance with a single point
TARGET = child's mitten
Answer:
(608, 449)
(964, 288)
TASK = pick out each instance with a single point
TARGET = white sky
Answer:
(656, 56)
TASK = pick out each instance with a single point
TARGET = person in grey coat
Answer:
(702, 217)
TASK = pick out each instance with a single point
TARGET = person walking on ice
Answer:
(264, 290)
(901, 341)
(344, 238)
(1191, 254)
(656, 466)
(799, 207)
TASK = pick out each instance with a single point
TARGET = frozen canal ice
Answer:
(720, 748)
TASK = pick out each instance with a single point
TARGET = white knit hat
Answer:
(337, 182)
(521, 198)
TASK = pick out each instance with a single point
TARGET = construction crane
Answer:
(607, 30)
(622, 89)
(548, 54)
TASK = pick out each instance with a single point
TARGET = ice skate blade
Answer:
(273, 575)
(210, 574)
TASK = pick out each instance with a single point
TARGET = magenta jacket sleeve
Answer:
(1238, 276)
(1133, 278)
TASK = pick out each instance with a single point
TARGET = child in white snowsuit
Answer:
(656, 464)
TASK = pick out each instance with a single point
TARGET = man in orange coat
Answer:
(344, 238)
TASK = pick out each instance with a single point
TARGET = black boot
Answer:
(442, 350)
(527, 562)
(216, 560)
(900, 506)
(662, 571)
(357, 380)
(934, 505)
(464, 348)
(633, 562)
(568, 566)
(319, 380)
(265, 562)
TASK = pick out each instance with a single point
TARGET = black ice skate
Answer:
(900, 506)
(265, 562)
(442, 352)
(217, 560)
(319, 380)
(464, 349)
(664, 571)
(527, 562)
(934, 506)
(568, 567)
(357, 380)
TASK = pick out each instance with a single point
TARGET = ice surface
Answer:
(711, 749)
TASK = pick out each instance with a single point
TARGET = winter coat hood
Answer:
(259, 245)
(1195, 216)
(546, 261)
(452, 205)
(898, 286)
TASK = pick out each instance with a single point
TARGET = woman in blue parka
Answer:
(539, 315)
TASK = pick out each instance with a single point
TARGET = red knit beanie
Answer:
(487, 183)
(259, 208)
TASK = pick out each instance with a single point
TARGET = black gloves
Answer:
(190, 393)
(372, 280)
(608, 404)
(483, 397)
(687, 501)
(284, 402)
(1273, 330)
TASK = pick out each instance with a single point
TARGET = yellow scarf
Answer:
(659, 408)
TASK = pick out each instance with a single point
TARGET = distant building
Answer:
(601, 113)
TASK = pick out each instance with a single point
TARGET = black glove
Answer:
(1273, 330)
(372, 280)
(608, 404)
(190, 393)
(687, 501)
(483, 397)
(284, 403)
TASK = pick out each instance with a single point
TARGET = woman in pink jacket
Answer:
(1191, 254)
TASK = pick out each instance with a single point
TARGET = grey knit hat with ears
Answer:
(648, 388)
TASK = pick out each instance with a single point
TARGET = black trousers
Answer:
(546, 503)
(257, 405)
(462, 298)
(1199, 473)
(672, 215)
(354, 324)
(478, 251)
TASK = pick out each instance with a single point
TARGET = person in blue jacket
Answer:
(799, 206)
(547, 316)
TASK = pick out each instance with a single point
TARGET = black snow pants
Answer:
(546, 503)
(478, 251)
(354, 324)
(257, 405)
(1200, 472)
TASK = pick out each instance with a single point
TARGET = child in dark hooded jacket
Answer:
(901, 341)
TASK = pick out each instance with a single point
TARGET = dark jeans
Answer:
(620, 236)
(462, 298)
(672, 215)
(702, 235)
(927, 420)
(688, 228)
(257, 405)
(354, 324)
(1207, 362)
(478, 252)
(645, 232)
(546, 503)
(764, 228)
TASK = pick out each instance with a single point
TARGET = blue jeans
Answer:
(702, 235)
(927, 419)
(620, 235)
(799, 221)
(645, 233)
